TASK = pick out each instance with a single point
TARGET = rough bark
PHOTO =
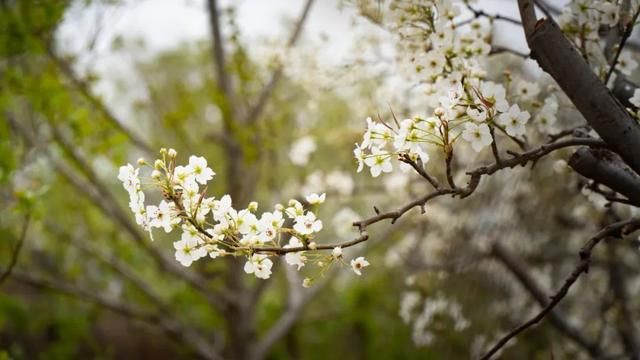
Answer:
(607, 168)
(604, 113)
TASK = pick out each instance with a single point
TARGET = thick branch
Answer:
(557, 56)
(606, 168)
(623, 90)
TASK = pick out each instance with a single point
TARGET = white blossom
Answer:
(307, 224)
(301, 150)
(379, 161)
(201, 172)
(295, 258)
(635, 99)
(161, 216)
(187, 251)
(315, 199)
(358, 264)
(514, 120)
(478, 136)
(259, 265)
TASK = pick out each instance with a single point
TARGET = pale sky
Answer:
(164, 24)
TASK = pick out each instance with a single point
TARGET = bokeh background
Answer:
(87, 86)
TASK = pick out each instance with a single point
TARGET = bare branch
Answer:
(496, 49)
(16, 250)
(481, 13)
(256, 110)
(192, 339)
(545, 8)
(85, 90)
(623, 90)
(219, 57)
(613, 230)
(418, 166)
(521, 273)
(297, 300)
(623, 41)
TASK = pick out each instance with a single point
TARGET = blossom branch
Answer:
(475, 175)
(109, 207)
(418, 166)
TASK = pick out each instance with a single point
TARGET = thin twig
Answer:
(479, 12)
(17, 248)
(84, 89)
(623, 41)
(613, 230)
(265, 94)
(526, 279)
(496, 49)
(418, 166)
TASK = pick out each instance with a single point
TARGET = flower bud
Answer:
(156, 175)
(293, 202)
(279, 207)
(172, 153)
(336, 252)
(141, 161)
(306, 283)
(158, 164)
(313, 245)
(253, 206)
(163, 151)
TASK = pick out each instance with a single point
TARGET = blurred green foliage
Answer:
(57, 119)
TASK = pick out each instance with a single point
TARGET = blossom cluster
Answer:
(473, 110)
(583, 20)
(214, 228)
(433, 309)
(463, 102)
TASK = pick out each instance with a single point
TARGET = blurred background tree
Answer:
(87, 282)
